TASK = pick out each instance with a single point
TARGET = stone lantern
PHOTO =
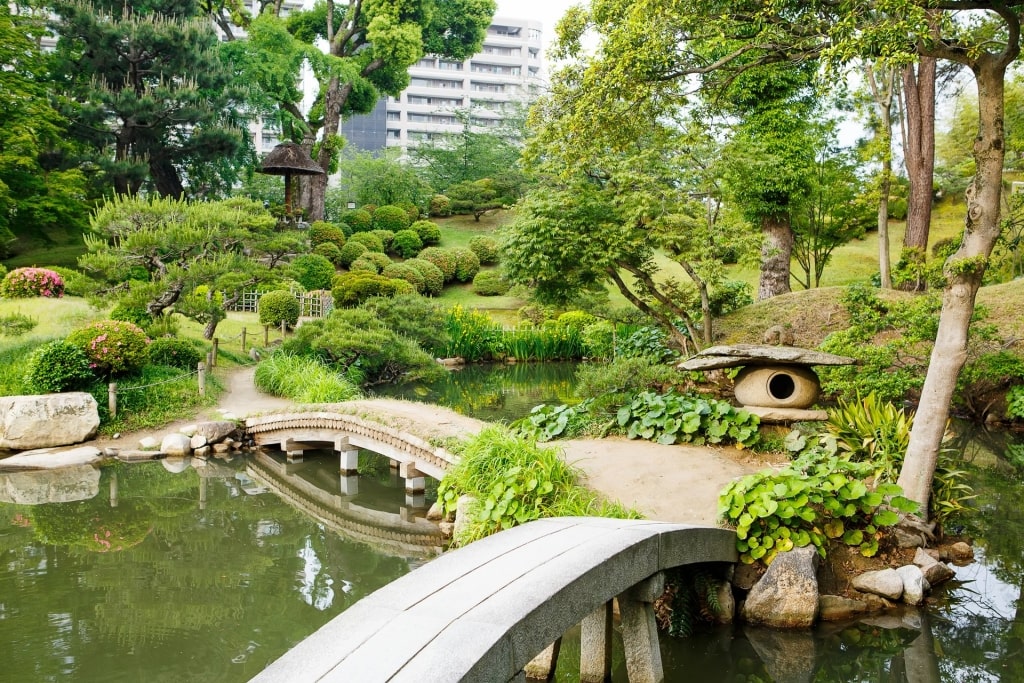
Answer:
(776, 383)
(289, 159)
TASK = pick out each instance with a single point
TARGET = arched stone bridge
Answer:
(489, 611)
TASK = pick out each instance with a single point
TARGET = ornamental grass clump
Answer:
(303, 379)
(472, 335)
(22, 283)
(113, 347)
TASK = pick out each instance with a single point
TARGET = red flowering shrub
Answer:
(28, 282)
(113, 347)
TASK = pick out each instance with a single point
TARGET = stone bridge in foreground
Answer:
(492, 610)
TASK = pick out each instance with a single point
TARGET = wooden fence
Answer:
(315, 304)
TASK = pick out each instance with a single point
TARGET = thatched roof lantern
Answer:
(288, 159)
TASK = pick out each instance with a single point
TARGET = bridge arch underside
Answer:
(484, 612)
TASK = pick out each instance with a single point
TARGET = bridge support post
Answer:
(596, 645)
(640, 630)
(542, 667)
(349, 485)
(349, 461)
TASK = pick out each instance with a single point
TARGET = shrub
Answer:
(577, 320)
(30, 282)
(400, 271)
(358, 220)
(410, 209)
(278, 307)
(131, 314)
(330, 251)
(407, 243)
(412, 316)
(490, 283)
(379, 259)
(351, 251)
(440, 205)
(16, 324)
(610, 385)
(175, 353)
(57, 366)
(322, 232)
(428, 231)
(368, 240)
(386, 237)
(364, 265)
(443, 259)
(730, 296)
(391, 217)
(113, 347)
(76, 283)
(485, 248)
(467, 265)
(312, 271)
(432, 276)
(302, 379)
(351, 289)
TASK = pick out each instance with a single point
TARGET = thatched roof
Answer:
(288, 158)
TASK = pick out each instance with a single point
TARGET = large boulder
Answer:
(49, 420)
(176, 445)
(885, 582)
(215, 431)
(787, 594)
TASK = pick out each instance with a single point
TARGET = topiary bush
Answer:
(368, 240)
(175, 353)
(490, 283)
(131, 314)
(358, 220)
(322, 232)
(443, 259)
(278, 307)
(432, 276)
(22, 283)
(411, 210)
(113, 347)
(440, 205)
(351, 289)
(312, 271)
(379, 259)
(386, 237)
(429, 231)
(351, 251)
(407, 243)
(401, 271)
(391, 217)
(330, 251)
(467, 265)
(364, 265)
(57, 366)
(485, 248)
(75, 283)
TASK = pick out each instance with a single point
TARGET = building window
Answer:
(394, 134)
(426, 63)
(502, 51)
(434, 83)
(534, 53)
(436, 101)
(487, 87)
(495, 69)
(448, 65)
(534, 34)
(510, 31)
(394, 116)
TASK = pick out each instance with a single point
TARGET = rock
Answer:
(148, 443)
(176, 464)
(127, 455)
(747, 355)
(788, 656)
(938, 573)
(462, 514)
(51, 458)
(906, 538)
(745, 576)
(28, 422)
(787, 594)
(447, 529)
(838, 608)
(786, 415)
(176, 445)
(197, 441)
(221, 447)
(875, 603)
(961, 553)
(64, 485)
(217, 431)
(925, 559)
(435, 514)
(188, 430)
(203, 452)
(884, 582)
(116, 436)
(913, 584)
(726, 603)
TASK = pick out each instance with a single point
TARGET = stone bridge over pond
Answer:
(498, 607)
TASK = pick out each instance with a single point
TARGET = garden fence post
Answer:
(266, 335)
(284, 329)
(243, 340)
(202, 378)
(209, 359)
(216, 343)
(112, 398)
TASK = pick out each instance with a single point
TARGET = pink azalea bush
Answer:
(22, 283)
(113, 347)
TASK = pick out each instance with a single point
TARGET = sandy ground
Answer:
(667, 483)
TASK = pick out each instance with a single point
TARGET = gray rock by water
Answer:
(216, 431)
(913, 584)
(44, 421)
(787, 595)
(788, 656)
(197, 441)
(148, 443)
(838, 608)
(176, 445)
(885, 582)
(51, 458)
(64, 485)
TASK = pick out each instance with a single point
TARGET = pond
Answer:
(206, 573)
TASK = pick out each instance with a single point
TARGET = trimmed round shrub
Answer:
(382, 261)
(391, 217)
(576, 320)
(57, 366)
(351, 251)
(22, 283)
(113, 347)
(432, 276)
(351, 289)
(370, 209)
(411, 210)
(407, 243)
(386, 237)
(312, 271)
(322, 232)
(490, 283)
(330, 251)
(131, 314)
(358, 220)
(467, 265)
(368, 240)
(364, 265)
(75, 283)
(440, 205)
(400, 271)
(443, 259)
(485, 248)
(429, 231)
(173, 352)
(278, 307)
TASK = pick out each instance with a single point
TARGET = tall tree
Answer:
(145, 89)
(881, 83)
(918, 93)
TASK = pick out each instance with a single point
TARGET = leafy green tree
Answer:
(379, 180)
(479, 197)
(146, 92)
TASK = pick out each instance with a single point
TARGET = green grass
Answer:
(55, 255)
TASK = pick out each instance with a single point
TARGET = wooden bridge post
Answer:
(640, 630)
(596, 645)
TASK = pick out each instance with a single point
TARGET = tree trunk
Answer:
(775, 256)
(165, 177)
(919, 95)
(882, 92)
(964, 271)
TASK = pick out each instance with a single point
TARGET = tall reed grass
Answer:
(303, 379)
(475, 337)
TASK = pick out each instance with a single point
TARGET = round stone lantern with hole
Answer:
(776, 383)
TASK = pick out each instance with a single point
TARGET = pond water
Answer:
(207, 574)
